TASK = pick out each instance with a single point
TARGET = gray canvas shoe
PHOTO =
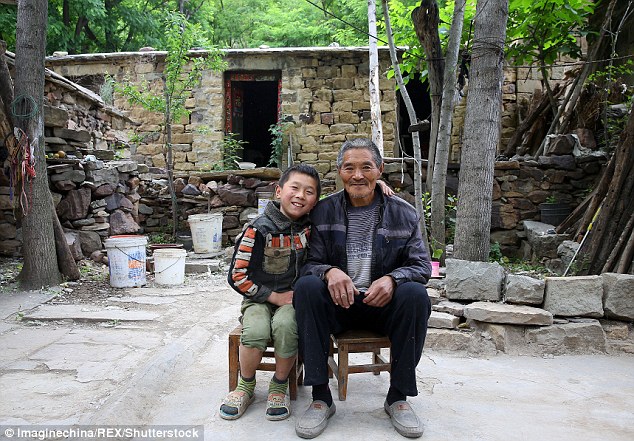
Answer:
(404, 419)
(314, 420)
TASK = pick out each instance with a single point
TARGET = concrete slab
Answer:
(143, 300)
(12, 302)
(88, 313)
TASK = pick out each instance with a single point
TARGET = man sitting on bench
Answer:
(367, 268)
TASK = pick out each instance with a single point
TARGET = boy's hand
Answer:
(380, 292)
(387, 191)
(341, 288)
(281, 298)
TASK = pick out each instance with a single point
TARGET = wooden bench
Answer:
(295, 378)
(356, 341)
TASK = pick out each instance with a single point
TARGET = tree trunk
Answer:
(169, 160)
(418, 174)
(65, 261)
(38, 245)
(444, 131)
(426, 19)
(375, 100)
(482, 132)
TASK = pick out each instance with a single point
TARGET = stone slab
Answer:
(12, 302)
(574, 296)
(466, 280)
(443, 320)
(84, 313)
(450, 307)
(618, 295)
(143, 300)
(447, 340)
(510, 314)
(569, 338)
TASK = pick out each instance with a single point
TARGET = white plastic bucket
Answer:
(263, 199)
(169, 266)
(126, 260)
(206, 232)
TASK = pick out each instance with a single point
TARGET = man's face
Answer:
(359, 174)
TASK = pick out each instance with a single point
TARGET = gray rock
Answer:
(449, 307)
(524, 290)
(122, 223)
(566, 251)
(445, 339)
(467, 280)
(7, 231)
(144, 209)
(191, 190)
(236, 195)
(75, 205)
(75, 135)
(90, 242)
(74, 243)
(568, 338)
(102, 191)
(103, 176)
(574, 296)
(70, 175)
(83, 222)
(124, 166)
(443, 320)
(510, 314)
(618, 295)
(543, 239)
(55, 117)
(65, 185)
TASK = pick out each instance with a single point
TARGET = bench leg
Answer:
(376, 360)
(292, 381)
(342, 375)
(234, 360)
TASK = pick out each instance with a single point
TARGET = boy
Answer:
(266, 261)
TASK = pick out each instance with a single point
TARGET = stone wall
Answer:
(478, 307)
(324, 93)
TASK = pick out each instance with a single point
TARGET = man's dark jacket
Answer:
(398, 249)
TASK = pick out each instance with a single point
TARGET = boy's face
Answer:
(298, 195)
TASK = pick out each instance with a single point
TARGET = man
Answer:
(366, 268)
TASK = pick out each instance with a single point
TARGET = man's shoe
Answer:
(404, 419)
(278, 407)
(314, 420)
(234, 404)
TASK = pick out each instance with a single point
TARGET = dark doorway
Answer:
(419, 94)
(252, 107)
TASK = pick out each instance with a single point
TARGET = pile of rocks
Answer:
(479, 307)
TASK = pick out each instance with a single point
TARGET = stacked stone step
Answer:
(478, 307)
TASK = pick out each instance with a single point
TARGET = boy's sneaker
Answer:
(235, 404)
(278, 407)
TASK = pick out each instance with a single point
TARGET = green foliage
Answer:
(160, 237)
(232, 152)
(543, 30)
(277, 142)
(495, 254)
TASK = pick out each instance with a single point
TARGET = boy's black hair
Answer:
(305, 169)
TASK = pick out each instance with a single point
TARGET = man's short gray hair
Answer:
(360, 143)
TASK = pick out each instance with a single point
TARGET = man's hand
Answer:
(281, 298)
(380, 292)
(341, 288)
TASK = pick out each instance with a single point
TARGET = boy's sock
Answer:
(246, 385)
(322, 392)
(394, 395)
(277, 386)
(277, 407)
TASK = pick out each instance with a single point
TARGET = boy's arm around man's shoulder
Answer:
(247, 260)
